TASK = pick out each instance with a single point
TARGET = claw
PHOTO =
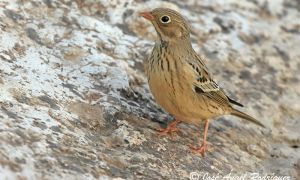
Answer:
(200, 150)
(170, 129)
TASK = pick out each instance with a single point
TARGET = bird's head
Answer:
(169, 24)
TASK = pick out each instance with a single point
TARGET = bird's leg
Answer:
(172, 127)
(203, 148)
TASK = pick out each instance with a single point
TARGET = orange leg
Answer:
(203, 148)
(172, 127)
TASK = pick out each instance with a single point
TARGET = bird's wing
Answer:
(205, 85)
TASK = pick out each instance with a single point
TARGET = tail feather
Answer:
(246, 116)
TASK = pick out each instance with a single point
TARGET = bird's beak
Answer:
(147, 15)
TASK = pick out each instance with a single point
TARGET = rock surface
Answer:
(74, 101)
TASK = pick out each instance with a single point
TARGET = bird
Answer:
(179, 80)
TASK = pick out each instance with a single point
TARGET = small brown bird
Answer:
(179, 80)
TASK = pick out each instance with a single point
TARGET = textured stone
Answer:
(75, 104)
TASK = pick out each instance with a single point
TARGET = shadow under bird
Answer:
(180, 81)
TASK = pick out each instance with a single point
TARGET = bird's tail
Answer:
(246, 116)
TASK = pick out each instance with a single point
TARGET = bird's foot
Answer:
(199, 150)
(167, 131)
(171, 128)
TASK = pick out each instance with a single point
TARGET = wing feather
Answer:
(205, 85)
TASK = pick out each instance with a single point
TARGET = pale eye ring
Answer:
(165, 19)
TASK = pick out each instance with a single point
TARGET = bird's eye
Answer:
(165, 19)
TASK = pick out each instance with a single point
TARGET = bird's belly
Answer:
(178, 99)
(163, 91)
